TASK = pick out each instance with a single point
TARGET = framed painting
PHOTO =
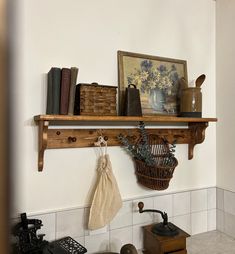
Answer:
(157, 79)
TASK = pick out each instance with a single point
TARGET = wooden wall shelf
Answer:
(53, 138)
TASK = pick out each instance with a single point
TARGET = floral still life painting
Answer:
(157, 79)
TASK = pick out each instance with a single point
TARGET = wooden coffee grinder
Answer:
(163, 237)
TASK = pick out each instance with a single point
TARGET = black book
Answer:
(53, 91)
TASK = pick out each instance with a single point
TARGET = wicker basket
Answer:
(94, 99)
(156, 177)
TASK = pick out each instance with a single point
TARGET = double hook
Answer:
(102, 140)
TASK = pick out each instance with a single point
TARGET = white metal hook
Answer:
(101, 141)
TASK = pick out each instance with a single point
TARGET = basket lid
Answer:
(95, 84)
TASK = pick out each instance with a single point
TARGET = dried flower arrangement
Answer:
(142, 150)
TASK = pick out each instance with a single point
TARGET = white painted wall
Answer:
(88, 34)
(225, 81)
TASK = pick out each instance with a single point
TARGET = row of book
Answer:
(61, 88)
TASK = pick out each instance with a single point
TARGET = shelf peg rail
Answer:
(55, 138)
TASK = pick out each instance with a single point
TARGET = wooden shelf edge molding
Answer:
(156, 119)
(55, 138)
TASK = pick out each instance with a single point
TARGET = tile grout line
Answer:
(172, 207)
(191, 217)
(223, 212)
(109, 238)
(132, 219)
(124, 200)
(207, 215)
(56, 226)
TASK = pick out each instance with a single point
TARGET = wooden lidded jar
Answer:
(191, 102)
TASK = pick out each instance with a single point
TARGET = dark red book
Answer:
(74, 74)
(65, 90)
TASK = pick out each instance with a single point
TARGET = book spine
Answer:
(65, 87)
(77, 100)
(74, 74)
(49, 110)
(56, 79)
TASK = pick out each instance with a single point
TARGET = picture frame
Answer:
(157, 79)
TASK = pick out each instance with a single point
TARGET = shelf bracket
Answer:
(197, 133)
(42, 141)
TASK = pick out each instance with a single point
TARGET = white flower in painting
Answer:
(144, 75)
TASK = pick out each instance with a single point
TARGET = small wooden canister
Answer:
(191, 102)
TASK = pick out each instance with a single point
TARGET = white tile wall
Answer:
(229, 202)
(181, 203)
(96, 243)
(124, 216)
(199, 222)
(220, 220)
(211, 220)
(98, 231)
(119, 237)
(140, 218)
(183, 222)
(138, 236)
(229, 224)
(199, 200)
(225, 212)
(211, 198)
(86, 220)
(70, 223)
(220, 199)
(193, 211)
(163, 203)
(81, 240)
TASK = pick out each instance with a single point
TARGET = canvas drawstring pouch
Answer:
(107, 199)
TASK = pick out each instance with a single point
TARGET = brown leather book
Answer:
(74, 74)
(65, 88)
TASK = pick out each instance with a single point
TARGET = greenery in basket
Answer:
(141, 151)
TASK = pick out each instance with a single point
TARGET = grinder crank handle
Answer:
(163, 214)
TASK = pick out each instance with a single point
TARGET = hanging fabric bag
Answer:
(107, 199)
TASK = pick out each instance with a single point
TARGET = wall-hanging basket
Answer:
(158, 175)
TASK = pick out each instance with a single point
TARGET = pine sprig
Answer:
(132, 149)
(142, 150)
